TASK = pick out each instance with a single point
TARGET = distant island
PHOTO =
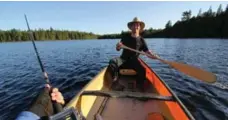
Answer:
(207, 24)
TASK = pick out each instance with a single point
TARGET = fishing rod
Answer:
(57, 106)
(37, 54)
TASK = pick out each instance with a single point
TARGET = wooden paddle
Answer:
(187, 69)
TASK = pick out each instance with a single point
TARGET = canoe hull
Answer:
(110, 108)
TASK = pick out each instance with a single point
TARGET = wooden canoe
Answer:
(97, 101)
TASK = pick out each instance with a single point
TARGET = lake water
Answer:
(72, 64)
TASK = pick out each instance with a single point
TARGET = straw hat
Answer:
(136, 20)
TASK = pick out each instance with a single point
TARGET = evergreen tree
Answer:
(168, 24)
(186, 15)
(219, 11)
(200, 13)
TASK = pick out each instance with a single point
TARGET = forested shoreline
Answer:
(15, 35)
(208, 24)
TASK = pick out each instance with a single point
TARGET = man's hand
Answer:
(152, 55)
(118, 46)
(56, 95)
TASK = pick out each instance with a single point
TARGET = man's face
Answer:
(135, 27)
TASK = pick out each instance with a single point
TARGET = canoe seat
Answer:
(127, 72)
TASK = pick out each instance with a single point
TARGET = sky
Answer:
(104, 17)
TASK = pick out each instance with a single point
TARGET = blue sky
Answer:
(97, 17)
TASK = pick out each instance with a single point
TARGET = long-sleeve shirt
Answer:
(27, 115)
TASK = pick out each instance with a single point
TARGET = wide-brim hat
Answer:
(136, 20)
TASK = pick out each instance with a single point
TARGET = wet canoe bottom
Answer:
(127, 108)
(132, 109)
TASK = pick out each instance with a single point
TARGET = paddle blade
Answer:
(193, 71)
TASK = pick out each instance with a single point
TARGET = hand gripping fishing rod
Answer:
(57, 106)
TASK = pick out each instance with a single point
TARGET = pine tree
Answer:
(186, 15)
(219, 11)
(168, 24)
(200, 13)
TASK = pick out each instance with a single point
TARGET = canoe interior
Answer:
(110, 108)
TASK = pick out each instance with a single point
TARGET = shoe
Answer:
(115, 79)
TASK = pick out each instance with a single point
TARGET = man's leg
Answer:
(114, 65)
(42, 104)
(141, 73)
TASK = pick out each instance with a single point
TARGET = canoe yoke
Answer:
(127, 94)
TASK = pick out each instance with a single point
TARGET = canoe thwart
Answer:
(127, 94)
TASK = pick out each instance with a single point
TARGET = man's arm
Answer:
(146, 50)
(151, 55)
(27, 115)
(119, 44)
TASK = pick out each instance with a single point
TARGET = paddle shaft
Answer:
(187, 69)
(57, 106)
(143, 53)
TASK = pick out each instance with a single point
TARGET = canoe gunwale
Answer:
(172, 93)
(76, 100)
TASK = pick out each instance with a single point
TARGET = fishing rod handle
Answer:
(57, 107)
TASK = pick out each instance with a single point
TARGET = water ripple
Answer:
(72, 64)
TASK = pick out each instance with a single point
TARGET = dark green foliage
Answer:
(209, 13)
(186, 15)
(205, 25)
(219, 11)
(200, 13)
(110, 36)
(41, 34)
(147, 33)
(168, 24)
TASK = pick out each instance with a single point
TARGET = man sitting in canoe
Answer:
(129, 58)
